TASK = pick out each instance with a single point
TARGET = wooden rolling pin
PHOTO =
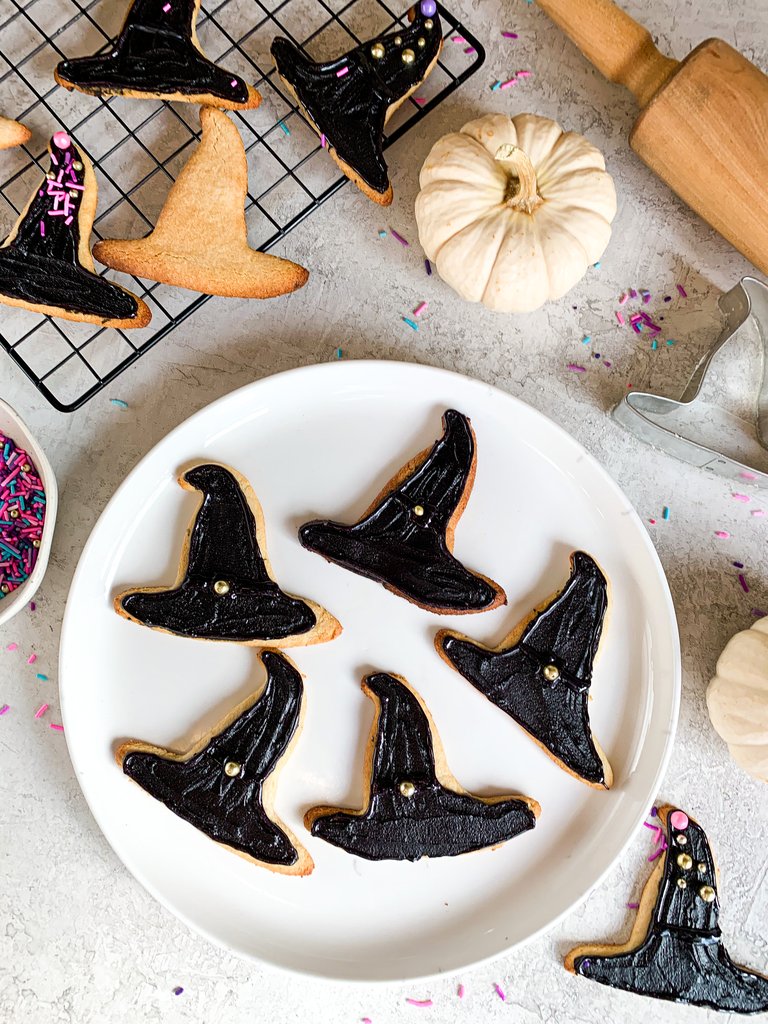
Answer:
(703, 127)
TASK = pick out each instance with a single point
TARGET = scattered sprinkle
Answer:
(458, 39)
(654, 344)
(411, 323)
(322, 140)
(632, 906)
(32, 659)
(665, 513)
(652, 522)
(41, 710)
(366, 1020)
(382, 234)
(399, 238)
(745, 473)
(758, 613)
(58, 728)
(722, 534)
(740, 497)
(586, 339)
(595, 355)
(12, 647)
(575, 368)
(667, 298)
(607, 363)
(682, 292)
(524, 74)
(339, 353)
(119, 402)
(654, 811)
(670, 341)
(5, 708)
(178, 990)
(460, 991)
(620, 318)
(758, 513)
(43, 678)
(597, 265)
(510, 35)
(623, 298)
(738, 565)
(509, 82)
(342, 71)
(499, 991)
(428, 268)
(743, 583)
(420, 308)
(284, 127)
(470, 49)
(496, 86)
(418, 1002)
(420, 100)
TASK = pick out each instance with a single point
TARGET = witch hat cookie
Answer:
(157, 55)
(45, 262)
(199, 241)
(416, 808)
(349, 100)
(675, 951)
(541, 673)
(405, 538)
(13, 133)
(225, 785)
(225, 589)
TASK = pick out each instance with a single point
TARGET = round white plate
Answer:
(322, 441)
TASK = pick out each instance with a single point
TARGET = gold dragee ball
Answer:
(551, 673)
(221, 587)
(5, 588)
(14, 513)
(408, 56)
(377, 51)
(418, 510)
(398, 40)
(35, 543)
(707, 893)
(701, 867)
(26, 467)
(407, 789)
(684, 861)
(682, 884)
(428, 24)
(232, 768)
(421, 42)
(77, 165)
(681, 840)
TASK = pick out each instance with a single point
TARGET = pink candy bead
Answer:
(678, 820)
(62, 140)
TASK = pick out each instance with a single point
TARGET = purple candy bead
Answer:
(428, 8)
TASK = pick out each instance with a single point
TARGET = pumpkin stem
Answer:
(521, 193)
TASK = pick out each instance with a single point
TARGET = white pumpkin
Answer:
(512, 211)
(737, 698)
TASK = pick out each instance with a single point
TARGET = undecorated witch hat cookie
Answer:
(540, 674)
(13, 133)
(225, 785)
(349, 100)
(416, 808)
(675, 951)
(157, 55)
(45, 262)
(405, 539)
(225, 589)
(200, 241)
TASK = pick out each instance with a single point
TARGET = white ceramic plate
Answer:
(322, 441)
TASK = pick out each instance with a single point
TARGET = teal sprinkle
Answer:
(654, 345)
(411, 323)
(665, 513)
(382, 234)
(597, 265)
(285, 128)
(496, 87)
(39, 675)
(339, 353)
(670, 341)
(120, 402)
(586, 339)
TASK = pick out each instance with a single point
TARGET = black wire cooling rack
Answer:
(138, 148)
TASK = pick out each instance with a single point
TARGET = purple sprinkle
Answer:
(743, 583)
(633, 906)
(400, 238)
(667, 298)
(585, 963)
(575, 368)
(681, 291)
(654, 811)
(739, 565)
(510, 35)
(32, 606)
(607, 363)
(758, 613)
(4, 708)
(428, 268)
(178, 990)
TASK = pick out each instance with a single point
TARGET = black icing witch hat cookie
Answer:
(349, 100)
(225, 785)
(157, 55)
(416, 808)
(675, 951)
(405, 539)
(540, 674)
(45, 262)
(225, 589)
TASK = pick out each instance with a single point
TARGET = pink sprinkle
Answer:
(418, 1002)
(69, 220)
(420, 308)
(420, 100)
(510, 35)
(470, 49)
(652, 522)
(722, 534)
(633, 906)
(58, 728)
(620, 318)
(366, 1020)
(607, 363)
(575, 368)
(678, 820)
(740, 497)
(399, 238)
(524, 74)
(32, 606)
(234, 83)
(509, 82)
(4, 708)
(655, 856)
(322, 141)
(632, 293)
(682, 291)
(42, 229)
(747, 475)
(743, 583)
(41, 710)
(758, 512)
(499, 991)
(12, 647)
(460, 989)
(458, 39)
(32, 659)
(166, 8)
(623, 298)
(342, 71)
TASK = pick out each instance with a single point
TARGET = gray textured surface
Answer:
(80, 941)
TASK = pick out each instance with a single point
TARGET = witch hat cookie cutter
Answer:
(643, 413)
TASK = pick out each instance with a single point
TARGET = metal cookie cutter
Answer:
(643, 414)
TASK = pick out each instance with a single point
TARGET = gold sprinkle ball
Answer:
(707, 893)
(25, 467)
(701, 867)
(408, 56)
(407, 789)
(77, 165)
(684, 861)
(377, 51)
(35, 543)
(5, 588)
(398, 40)
(14, 513)
(418, 510)
(421, 42)
(232, 768)
(428, 24)
(682, 884)
(50, 175)
(551, 673)
(221, 587)
(681, 840)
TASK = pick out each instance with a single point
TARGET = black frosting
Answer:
(154, 54)
(565, 634)
(227, 808)
(682, 957)
(41, 265)
(433, 821)
(407, 552)
(223, 547)
(351, 111)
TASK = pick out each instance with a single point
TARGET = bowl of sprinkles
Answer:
(28, 498)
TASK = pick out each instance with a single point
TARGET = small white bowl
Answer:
(14, 427)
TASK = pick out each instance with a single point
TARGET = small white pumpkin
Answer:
(737, 698)
(512, 211)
